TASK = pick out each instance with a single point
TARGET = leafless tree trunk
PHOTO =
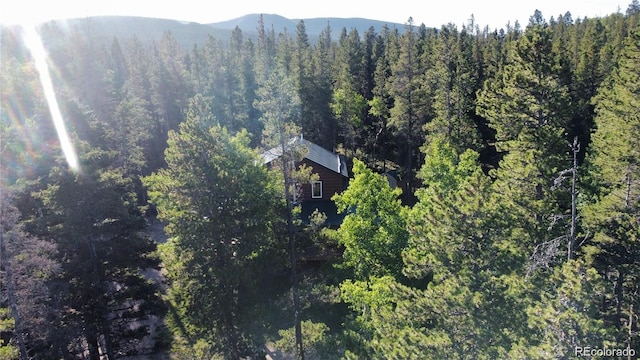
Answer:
(291, 231)
(574, 198)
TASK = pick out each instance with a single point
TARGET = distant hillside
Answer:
(314, 26)
(105, 28)
(249, 23)
(102, 29)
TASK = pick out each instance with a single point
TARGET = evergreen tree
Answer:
(348, 108)
(284, 56)
(280, 106)
(527, 104)
(230, 98)
(410, 108)
(27, 264)
(249, 90)
(613, 217)
(128, 134)
(265, 51)
(459, 296)
(588, 76)
(139, 98)
(348, 103)
(219, 203)
(381, 101)
(101, 295)
(565, 316)
(168, 82)
(239, 96)
(303, 77)
(25, 128)
(321, 117)
(453, 79)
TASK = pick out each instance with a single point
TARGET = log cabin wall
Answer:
(332, 182)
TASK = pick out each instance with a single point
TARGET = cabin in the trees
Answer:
(333, 178)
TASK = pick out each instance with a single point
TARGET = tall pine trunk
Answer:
(291, 232)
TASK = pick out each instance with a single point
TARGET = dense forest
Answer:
(514, 231)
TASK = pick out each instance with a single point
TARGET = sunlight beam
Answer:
(35, 46)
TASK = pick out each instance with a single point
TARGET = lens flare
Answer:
(35, 46)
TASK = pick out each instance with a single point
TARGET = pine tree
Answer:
(613, 217)
(101, 293)
(456, 262)
(410, 108)
(565, 315)
(321, 116)
(265, 51)
(348, 102)
(27, 265)
(139, 92)
(239, 96)
(589, 76)
(527, 105)
(219, 203)
(168, 82)
(453, 81)
(450, 300)
(303, 77)
(381, 101)
(280, 107)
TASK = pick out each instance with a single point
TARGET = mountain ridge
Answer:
(313, 26)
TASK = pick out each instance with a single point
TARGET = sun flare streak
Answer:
(34, 43)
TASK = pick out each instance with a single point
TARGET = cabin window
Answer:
(316, 189)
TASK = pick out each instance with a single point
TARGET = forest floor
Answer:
(265, 319)
(155, 230)
(275, 354)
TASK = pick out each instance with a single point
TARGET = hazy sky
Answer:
(495, 13)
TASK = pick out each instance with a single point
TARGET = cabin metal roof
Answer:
(315, 153)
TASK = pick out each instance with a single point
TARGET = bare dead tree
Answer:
(544, 253)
